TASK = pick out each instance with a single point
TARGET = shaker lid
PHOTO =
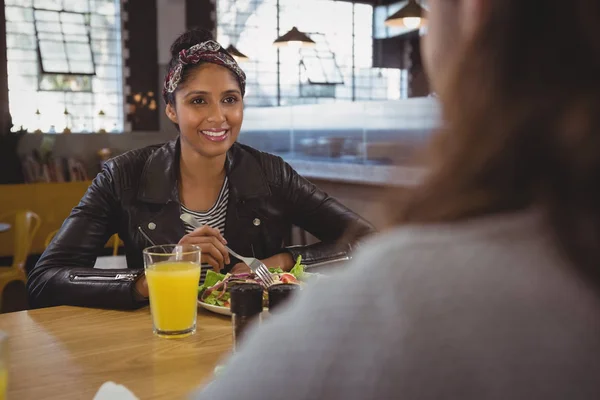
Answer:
(246, 299)
(279, 293)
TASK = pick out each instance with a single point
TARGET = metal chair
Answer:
(26, 225)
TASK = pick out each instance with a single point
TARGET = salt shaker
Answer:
(279, 294)
(246, 306)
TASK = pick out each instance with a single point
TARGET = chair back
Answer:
(116, 242)
(26, 225)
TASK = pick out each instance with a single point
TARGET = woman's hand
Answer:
(212, 244)
(141, 288)
(240, 268)
(282, 260)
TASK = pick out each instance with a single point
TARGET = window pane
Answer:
(70, 29)
(79, 39)
(107, 59)
(21, 41)
(104, 35)
(22, 68)
(18, 14)
(314, 70)
(106, 7)
(79, 51)
(19, 54)
(105, 85)
(52, 50)
(105, 21)
(20, 27)
(61, 82)
(22, 82)
(72, 18)
(76, 5)
(81, 67)
(48, 26)
(56, 37)
(48, 4)
(107, 72)
(48, 16)
(106, 46)
(22, 3)
(55, 66)
(80, 98)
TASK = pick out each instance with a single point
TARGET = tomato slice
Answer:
(288, 278)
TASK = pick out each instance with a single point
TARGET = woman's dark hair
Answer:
(522, 126)
(185, 41)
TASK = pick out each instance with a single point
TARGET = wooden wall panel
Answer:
(142, 63)
(5, 120)
(201, 14)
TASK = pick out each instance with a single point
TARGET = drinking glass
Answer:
(173, 275)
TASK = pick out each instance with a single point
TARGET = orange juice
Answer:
(173, 288)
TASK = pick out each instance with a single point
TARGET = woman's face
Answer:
(209, 110)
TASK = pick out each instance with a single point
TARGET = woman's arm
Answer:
(311, 209)
(64, 275)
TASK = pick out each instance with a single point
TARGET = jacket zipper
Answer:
(146, 236)
(116, 278)
(333, 261)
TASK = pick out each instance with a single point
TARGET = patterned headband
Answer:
(203, 52)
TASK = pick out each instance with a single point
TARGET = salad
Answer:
(214, 290)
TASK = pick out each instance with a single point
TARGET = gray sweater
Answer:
(485, 309)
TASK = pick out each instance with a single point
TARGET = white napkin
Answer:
(113, 391)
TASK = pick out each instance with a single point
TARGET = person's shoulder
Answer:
(133, 157)
(127, 167)
(260, 156)
(450, 247)
(273, 167)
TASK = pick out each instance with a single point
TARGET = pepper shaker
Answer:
(246, 307)
(279, 294)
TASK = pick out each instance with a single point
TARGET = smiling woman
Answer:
(241, 197)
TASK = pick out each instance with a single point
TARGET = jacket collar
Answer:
(160, 175)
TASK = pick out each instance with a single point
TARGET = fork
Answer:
(254, 264)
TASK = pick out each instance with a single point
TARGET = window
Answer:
(338, 68)
(64, 64)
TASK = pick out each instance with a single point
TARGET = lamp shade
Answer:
(409, 16)
(231, 49)
(294, 38)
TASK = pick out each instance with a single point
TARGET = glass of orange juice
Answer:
(173, 275)
(3, 365)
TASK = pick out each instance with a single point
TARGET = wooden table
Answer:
(68, 352)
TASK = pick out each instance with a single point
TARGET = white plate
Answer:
(215, 309)
(219, 309)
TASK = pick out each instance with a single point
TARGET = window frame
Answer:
(87, 24)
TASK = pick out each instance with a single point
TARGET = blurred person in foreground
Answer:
(491, 287)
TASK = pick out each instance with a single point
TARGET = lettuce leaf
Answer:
(277, 270)
(298, 269)
(212, 278)
(213, 299)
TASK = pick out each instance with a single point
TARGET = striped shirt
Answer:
(214, 217)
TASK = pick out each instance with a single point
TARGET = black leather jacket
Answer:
(136, 196)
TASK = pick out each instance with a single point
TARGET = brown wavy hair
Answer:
(522, 125)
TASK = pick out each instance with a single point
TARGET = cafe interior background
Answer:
(80, 82)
